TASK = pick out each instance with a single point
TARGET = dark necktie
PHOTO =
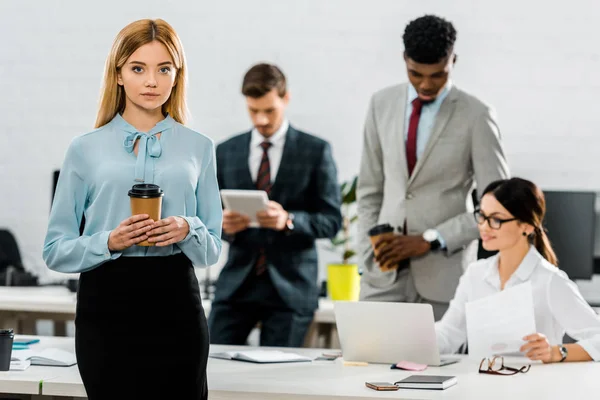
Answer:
(263, 179)
(411, 140)
(263, 182)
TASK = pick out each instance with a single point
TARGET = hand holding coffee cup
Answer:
(146, 199)
(377, 234)
(168, 231)
(131, 231)
(396, 251)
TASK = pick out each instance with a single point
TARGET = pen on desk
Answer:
(355, 363)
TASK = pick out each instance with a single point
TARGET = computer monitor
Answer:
(571, 224)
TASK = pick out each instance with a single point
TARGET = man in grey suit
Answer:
(426, 145)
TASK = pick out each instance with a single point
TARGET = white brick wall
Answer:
(538, 65)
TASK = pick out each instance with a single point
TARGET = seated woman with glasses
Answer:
(510, 221)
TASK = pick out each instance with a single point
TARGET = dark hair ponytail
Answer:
(526, 202)
(543, 246)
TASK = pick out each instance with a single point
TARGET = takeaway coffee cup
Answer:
(378, 232)
(6, 342)
(146, 198)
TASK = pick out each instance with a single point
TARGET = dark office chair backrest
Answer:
(9, 250)
(12, 272)
(55, 175)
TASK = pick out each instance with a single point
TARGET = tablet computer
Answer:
(247, 202)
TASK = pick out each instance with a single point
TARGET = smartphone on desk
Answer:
(381, 386)
(446, 361)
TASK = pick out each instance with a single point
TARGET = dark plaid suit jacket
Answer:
(306, 185)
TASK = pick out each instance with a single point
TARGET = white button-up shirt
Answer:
(558, 305)
(275, 151)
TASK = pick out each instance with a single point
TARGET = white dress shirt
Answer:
(275, 151)
(558, 305)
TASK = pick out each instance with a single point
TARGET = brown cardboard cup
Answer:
(146, 198)
(375, 234)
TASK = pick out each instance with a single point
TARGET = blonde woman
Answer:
(139, 312)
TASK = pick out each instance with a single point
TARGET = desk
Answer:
(23, 382)
(20, 307)
(28, 383)
(331, 380)
(321, 380)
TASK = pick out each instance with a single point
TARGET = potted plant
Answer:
(343, 279)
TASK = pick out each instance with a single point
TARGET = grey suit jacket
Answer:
(464, 149)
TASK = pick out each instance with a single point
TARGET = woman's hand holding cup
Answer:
(130, 231)
(168, 231)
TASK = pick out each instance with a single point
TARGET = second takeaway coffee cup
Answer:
(378, 232)
(6, 342)
(146, 198)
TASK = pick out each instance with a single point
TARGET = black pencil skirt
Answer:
(140, 330)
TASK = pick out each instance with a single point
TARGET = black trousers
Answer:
(257, 300)
(141, 332)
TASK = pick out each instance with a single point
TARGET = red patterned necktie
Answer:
(411, 140)
(263, 182)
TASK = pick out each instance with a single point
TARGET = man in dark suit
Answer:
(271, 272)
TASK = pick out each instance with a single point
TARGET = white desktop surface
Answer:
(28, 381)
(333, 380)
(47, 299)
(22, 382)
(59, 300)
(67, 384)
(319, 380)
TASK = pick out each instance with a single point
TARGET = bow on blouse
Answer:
(149, 146)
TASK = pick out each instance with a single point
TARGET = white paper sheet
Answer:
(497, 324)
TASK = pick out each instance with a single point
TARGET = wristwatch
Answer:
(563, 352)
(432, 236)
(289, 224)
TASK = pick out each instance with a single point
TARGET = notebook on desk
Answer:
(48, 357)
(261, 356)
(436, 382)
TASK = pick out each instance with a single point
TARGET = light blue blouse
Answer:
(98, 171)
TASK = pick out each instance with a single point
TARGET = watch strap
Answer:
(563, 352)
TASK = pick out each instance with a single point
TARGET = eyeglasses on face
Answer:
(495, 366)
(493, 222)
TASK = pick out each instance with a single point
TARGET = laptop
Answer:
(386, 332)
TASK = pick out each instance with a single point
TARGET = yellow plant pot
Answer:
(343, 282)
